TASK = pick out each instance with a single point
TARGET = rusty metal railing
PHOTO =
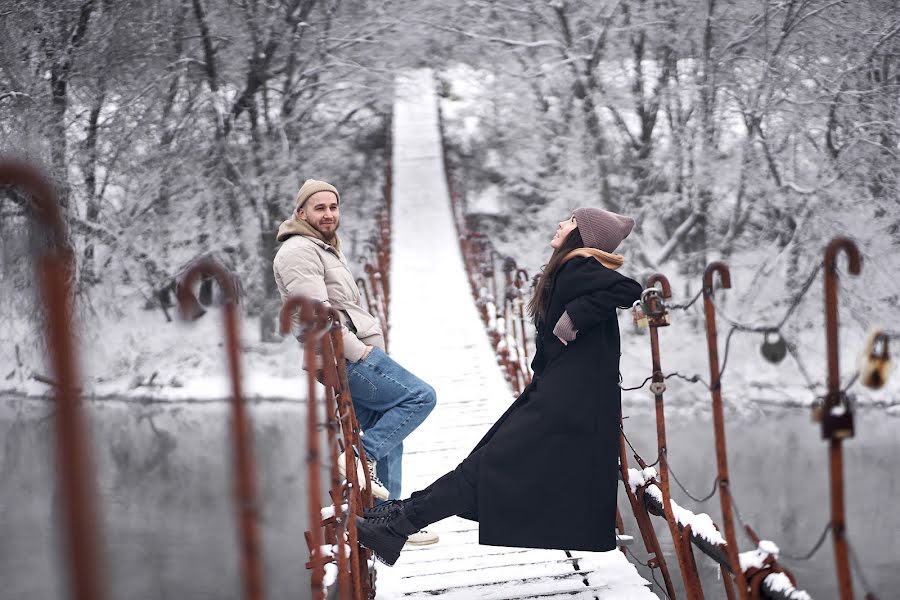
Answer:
(500, 302)
(245, 494)
(332, 537)
(715, 388)
(751, 575)
(54, 269)
(836, 412)
(376, 286)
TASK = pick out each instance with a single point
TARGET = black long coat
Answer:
(548, 469)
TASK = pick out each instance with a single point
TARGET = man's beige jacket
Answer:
(310, 267)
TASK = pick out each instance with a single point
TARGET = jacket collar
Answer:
(292, 227)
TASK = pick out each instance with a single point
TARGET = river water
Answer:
(779, 477)
(168, 523)
(167, 508)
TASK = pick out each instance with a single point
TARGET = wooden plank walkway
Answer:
(436, 332)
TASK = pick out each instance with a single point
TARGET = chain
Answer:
(689, 304)
(797, 558)
(852, 381)
(727, 349)
(688, 378)
(652, 571)
(690, 495)
(637, 387)
(653, 575)
(857, 567)
(769, 328)
(635, 452)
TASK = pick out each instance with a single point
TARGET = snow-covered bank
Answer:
(766, 274)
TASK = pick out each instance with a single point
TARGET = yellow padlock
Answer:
(638, 314)
(875, 362)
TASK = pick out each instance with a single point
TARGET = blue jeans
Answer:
(390, 402)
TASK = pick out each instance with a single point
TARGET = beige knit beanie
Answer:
(602, 229)
(310, 187)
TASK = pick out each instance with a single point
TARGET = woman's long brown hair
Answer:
(537, 306)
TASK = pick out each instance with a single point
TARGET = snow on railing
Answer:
(756, 573)
(332, 526)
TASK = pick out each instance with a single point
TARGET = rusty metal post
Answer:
(657, 318)
(836, 427)
(55, 266)
(332, 388)
(376, 283)
(315, 320)
(359, 499)
(245, 476)
(648, 534)
(719, 419)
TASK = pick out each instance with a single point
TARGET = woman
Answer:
(545, 475)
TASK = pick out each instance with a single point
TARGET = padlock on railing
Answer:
(835, 413)
(637, 313)
(655, 307)
(774, 348)
(875, 362)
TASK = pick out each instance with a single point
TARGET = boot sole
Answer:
(388, 559)
(429, 543)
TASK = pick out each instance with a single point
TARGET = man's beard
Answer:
(329, 234)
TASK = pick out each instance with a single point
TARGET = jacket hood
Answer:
(292, 227)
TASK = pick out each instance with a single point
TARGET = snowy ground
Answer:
(440, 337)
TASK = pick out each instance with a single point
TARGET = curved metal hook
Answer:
(46, 209)
(521, 277)
(316, 318)
(664, 283)
(290, 306)
(245, 473)
(847, 245)
(188, 305)
(834, 427)
(724, 274)
(709, 311)
(74, 470)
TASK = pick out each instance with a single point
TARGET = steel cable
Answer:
(635, 452)
(685, 490)
(689, 304)
(791, 557)
(688, 378)
(652, 570)
(857, 567)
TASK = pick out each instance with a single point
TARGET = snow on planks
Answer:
(436, 333)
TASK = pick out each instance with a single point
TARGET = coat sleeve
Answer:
(593, 308)
(303, 273)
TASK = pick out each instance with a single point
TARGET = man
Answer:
(390, 402)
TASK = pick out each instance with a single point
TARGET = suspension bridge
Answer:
(470, 344)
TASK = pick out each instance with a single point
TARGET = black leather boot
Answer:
(385, 535)
(383, 509)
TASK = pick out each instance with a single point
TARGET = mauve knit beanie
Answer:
(602, 229)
